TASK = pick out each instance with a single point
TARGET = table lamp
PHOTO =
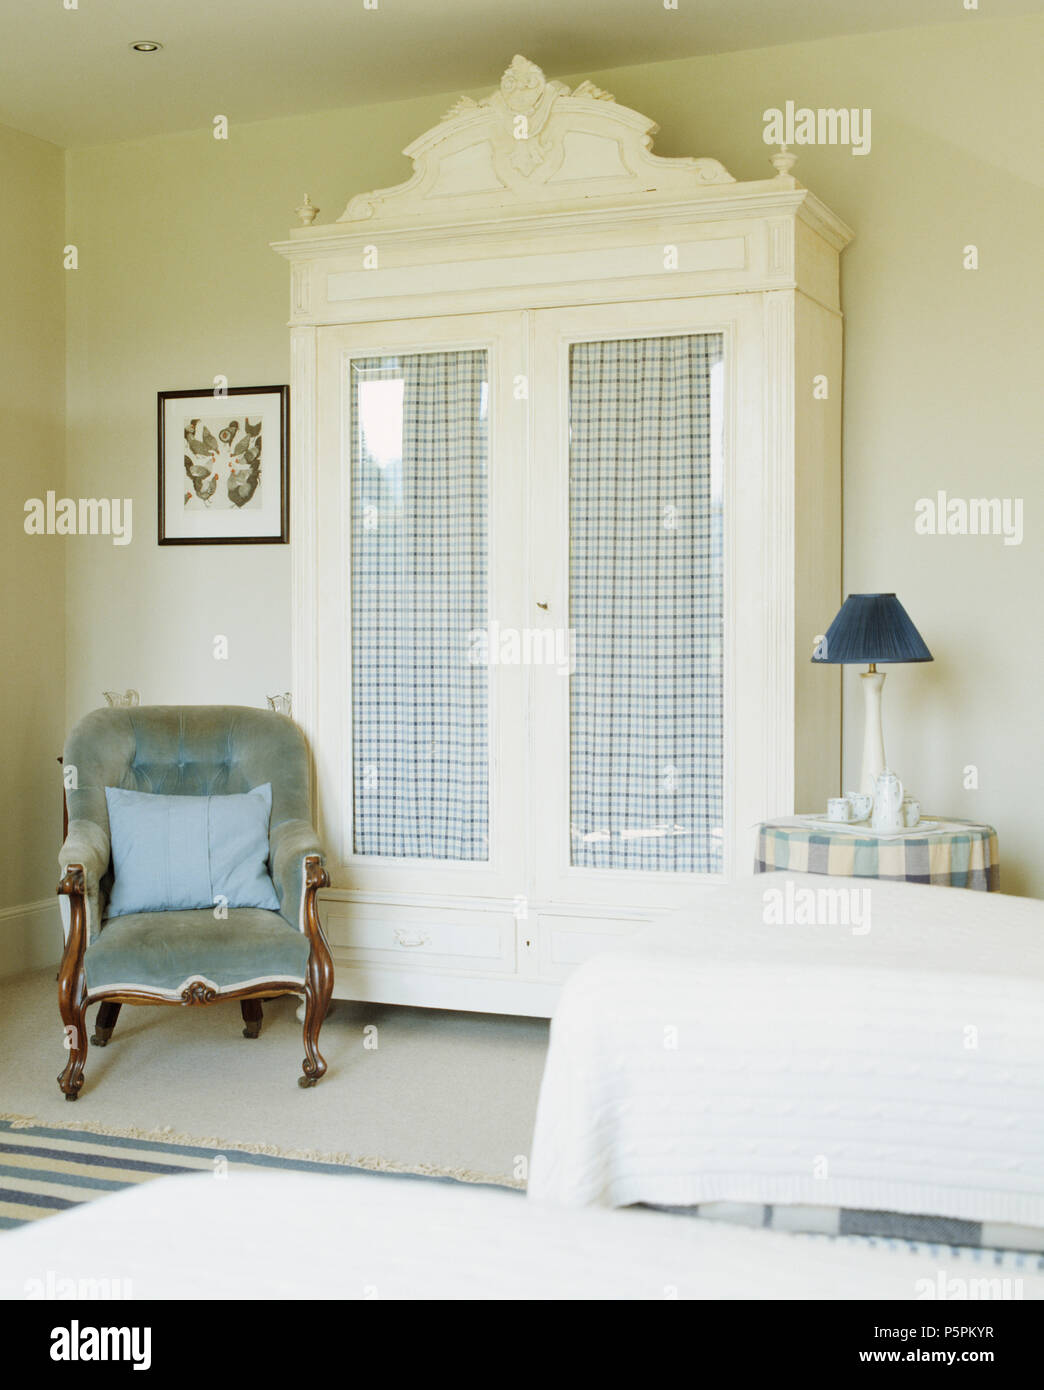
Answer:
(871, 628)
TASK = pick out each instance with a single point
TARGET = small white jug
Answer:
(888, 803)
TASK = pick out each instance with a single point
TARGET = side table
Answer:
(961, 854)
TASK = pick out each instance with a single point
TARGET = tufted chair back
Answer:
(187, 750)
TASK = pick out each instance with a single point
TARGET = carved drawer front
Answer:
(450, 938)
(566, 940)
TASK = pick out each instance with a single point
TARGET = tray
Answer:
(862, 827)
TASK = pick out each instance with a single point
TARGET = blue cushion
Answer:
(183, 852)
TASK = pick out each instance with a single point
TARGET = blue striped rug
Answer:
(46, 1169)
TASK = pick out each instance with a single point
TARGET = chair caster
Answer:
(105, 1022)
(253, 1016)
(306, 1081)
(70, 1086)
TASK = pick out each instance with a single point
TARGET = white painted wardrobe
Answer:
(566, 518)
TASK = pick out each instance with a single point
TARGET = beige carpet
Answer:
(450, 1092)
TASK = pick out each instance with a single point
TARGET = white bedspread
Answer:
(285, 1235)
(716, 1057)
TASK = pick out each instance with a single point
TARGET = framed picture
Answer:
(223, 466)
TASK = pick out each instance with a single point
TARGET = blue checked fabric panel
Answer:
(420, 453)
(646, 607)
(988, 1244)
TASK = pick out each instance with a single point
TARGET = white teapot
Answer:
(888, 803)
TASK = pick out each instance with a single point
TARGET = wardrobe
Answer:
(566, 525)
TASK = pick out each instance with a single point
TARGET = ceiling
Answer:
(69, 75)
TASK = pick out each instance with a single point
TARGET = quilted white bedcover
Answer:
(375, 1236)
(896, 1064)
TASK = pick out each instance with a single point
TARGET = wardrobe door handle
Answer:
(411, 938)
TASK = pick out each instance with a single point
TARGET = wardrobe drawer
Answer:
(451, 938)
(564, 941)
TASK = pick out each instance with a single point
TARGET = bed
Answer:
(749, 1057)
(364, 1236)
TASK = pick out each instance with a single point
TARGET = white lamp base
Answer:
(873, 734)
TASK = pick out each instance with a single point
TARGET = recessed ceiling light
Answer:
(146, 46)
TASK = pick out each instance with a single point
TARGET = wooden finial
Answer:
(783, 162)
(306, 213)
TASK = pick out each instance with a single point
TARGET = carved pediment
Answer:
(532, 143)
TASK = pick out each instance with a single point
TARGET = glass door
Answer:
(643, 418)
(646, 735)
(421, 449)
(419, 445)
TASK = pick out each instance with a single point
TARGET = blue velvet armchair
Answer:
(189, 957)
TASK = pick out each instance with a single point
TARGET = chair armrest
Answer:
(87, 846)
(72, 900)
(291, 843)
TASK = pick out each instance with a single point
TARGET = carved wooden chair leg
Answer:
(74, 1018)
(320, 978)
(316, 1005)
(108, 1013)
(72, 986)
(252, 1014)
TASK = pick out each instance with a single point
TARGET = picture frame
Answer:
(224, 466)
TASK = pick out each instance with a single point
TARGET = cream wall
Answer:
(176, 284)
(31, 567)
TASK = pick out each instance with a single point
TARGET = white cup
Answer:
(911, 811)
(862, 804)
(839, 808)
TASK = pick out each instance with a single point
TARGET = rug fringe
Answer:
(167, 1135)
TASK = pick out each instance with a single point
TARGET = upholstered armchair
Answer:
(200, 956)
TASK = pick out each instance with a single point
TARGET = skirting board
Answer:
(30, 937)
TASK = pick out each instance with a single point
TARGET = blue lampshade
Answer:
(872, 628)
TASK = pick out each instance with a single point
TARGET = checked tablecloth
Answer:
(959, 855)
